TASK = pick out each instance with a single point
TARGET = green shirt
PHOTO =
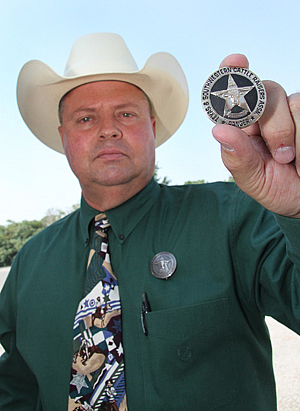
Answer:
(207, 346)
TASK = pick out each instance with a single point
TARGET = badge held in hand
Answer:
(234, 96)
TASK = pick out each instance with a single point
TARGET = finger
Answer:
(242, 157)
(235, 60)
(277, 126)
(294, 105)
(253, 130)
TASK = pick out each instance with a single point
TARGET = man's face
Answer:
(108, 135)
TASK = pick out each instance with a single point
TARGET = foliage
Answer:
(56, 214)
(195, 182)
(165, 180)
(230, 180)
(14, 235)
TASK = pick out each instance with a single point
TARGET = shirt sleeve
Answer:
(266, 254)
(18, 387)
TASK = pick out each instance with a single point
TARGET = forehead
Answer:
(106, 89)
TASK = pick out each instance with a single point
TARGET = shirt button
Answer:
(185, 353)
(121, 236)
(86, 241)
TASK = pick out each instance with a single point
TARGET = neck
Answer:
(107, 197)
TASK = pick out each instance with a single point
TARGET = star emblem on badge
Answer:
(234, 96)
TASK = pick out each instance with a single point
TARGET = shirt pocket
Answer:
(189, 357)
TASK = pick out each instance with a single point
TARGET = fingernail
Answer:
(226, 146)
(284, 155)
(297, 168)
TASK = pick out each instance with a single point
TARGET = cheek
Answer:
(145, 139)
(145, 153)
(75, 144)
(76, 153)
(151, 143)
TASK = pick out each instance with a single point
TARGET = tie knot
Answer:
(101, 222)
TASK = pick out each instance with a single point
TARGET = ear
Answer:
(60, 130)
(153, 122)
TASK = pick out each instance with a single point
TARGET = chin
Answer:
(113, 180)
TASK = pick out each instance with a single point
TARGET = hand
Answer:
(264, 159)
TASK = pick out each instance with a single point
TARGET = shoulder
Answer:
(46, 250)
(210, 203)
(220, 201)
(52, 233)
(201, 187)
(218, 192)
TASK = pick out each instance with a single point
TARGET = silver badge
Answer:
(163, 265)
(234, 96)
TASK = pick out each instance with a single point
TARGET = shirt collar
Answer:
(125, 217)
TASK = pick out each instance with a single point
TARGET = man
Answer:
(111, 393)
(197, 340)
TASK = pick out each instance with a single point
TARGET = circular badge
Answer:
(163, 265)
(234, 96)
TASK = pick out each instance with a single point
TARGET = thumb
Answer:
(243, 157)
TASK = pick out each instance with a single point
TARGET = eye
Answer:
(127, 115)
(85, 119)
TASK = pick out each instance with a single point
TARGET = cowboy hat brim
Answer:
(40, 89)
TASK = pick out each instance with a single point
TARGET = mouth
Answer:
(110, 155)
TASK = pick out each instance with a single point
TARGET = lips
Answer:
(110, 154)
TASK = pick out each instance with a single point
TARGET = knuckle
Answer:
(272, 86)
(294, 102)
(281, 133)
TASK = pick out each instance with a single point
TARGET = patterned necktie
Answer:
(97, 376)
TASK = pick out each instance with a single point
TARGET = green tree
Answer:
(165, 180)
(195, 182)
(13, 237)
(230, 180)
(56, 214)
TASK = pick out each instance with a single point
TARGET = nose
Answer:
(109, 129)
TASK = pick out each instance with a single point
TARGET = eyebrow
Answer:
(92, 109)
(78, 111)
(61, 105)
(81, 109)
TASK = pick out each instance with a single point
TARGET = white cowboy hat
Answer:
(96, 57)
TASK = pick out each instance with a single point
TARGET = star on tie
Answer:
(234, 96)
(79, 382)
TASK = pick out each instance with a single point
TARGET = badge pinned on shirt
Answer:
(234, 96)
(163, 265)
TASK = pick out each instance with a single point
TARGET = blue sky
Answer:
(198, 33)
